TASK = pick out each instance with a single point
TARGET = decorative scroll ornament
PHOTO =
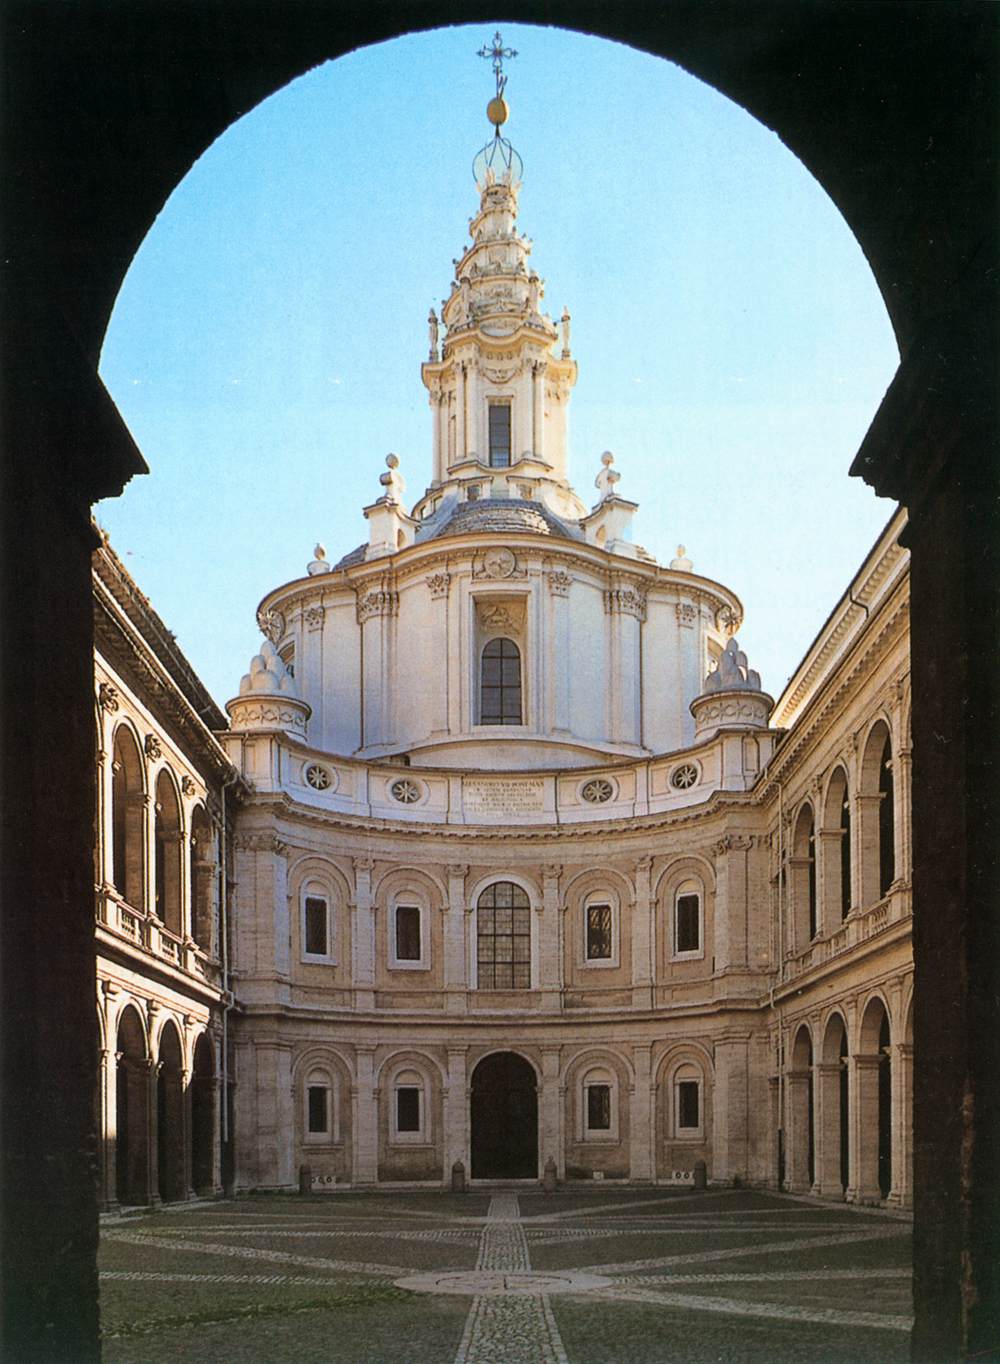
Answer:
(107, 695)
(187, 785)
(597, 790)
(153, 747)
(438, 584)
(684, 777)
(406, 791)
(272, 624)
(313, 616)
(560, 583)
(728, 620)
(626, 601)
(382, 601)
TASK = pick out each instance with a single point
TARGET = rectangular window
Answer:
(599, 1108)
(318, 1097)
(688, 1116)
(688, 923)
(499, 435)
(407, 933)
(599, 933)
(407, 1109)
(316, 943)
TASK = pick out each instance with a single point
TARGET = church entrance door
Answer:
(504, 1118)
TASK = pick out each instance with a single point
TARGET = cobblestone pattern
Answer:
(736, 1307)
(245, 1253)
(508, 1330)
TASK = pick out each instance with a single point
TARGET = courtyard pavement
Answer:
(508, 1276)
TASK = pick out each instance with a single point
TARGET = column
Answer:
(797, 1131)
(549, 924)
(828, 880)
(827, 1082)
(363, 936)
(437, 703)
(642, 938)
(558, 692)
(107, 1106)
(456, 1109)
(866, 878)
(902, 1125)
(729, 1110)
(187, 1129)
(275, 1117)
(365, 1099)
(640, 1116)
(552, 1103)
(461, 443)
(864, 1128)
(625, 605)
(902, 768)
(311, 677)
(774, 1130)
(147, 1077)
(538, 370)
(455, 956)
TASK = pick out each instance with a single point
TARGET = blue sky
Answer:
(265, 348)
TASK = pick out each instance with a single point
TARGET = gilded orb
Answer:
(497, 111)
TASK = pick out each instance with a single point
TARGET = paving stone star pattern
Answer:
(510, 1276)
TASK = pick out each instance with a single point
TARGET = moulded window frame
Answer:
(409, 1079)
(473, 945)
(319, 1077)
(597, 1136)
(592, 900)
(423, 962)
(503, 401)
(683, 1075)
(505, 726)
(313, 891)
(680, 890)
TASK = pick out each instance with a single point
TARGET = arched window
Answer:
(687, 920)
(886, 822)
(803, 867)
(500, 684)
(878, 832)
(687, 1102)
(319, 1107)
(503, 938)
(837, 877)
(598, 1098)
(599, 931)
(127, 819)
(201, 880)
(168, 852)
(408, 1113)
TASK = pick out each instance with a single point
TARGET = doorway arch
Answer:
(203, 1117)
(132, 1111)
(504, 1118)
(170, 1135)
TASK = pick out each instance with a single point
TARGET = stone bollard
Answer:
(458, 1177)
(700, 1175)
(305, 1179)
(549, 1176)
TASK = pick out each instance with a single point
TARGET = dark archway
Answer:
(894, 109)
(170, 1137)
(132, 1112)
(203, 1117)
(504, 1118)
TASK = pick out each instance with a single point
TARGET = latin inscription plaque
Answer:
(503, 795)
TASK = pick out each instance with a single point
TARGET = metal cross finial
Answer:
(498, 54)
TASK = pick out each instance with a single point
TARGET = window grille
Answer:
(503, 949)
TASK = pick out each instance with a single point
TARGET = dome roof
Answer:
(505, 516)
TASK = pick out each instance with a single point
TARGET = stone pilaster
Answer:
(729, 1110)
(641, 1116)
(456, 1107)
(827, 1082)
(552, 1103)
(549, 926)
(363, 936)
(797, 1134)
(365, 1119)
(455, 951)
(275, 1119)
(642, 939)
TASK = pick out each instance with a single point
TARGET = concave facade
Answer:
(524, 879)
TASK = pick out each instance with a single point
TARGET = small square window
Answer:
(318, 1098)
(599, 1108)
(599, 947)
(407, 1109)
(316, 927)
(407, 933)
(688, 1107)
(688, 923)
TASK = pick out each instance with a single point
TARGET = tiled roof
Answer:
(505, 516)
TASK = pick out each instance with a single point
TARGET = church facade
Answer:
(505, 863)
(531, 874)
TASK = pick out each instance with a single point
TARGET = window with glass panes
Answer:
(503, 948)
(407, 933)
(499, 435)
(687, 1105)
(407, 1109)
(500, 684)
(599, 1108)
(598, 932)
(316, 945)
(318, 1101)
(688, 923)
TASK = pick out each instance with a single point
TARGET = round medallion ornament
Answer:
(318, 777)
(684, 776)
(499, 563)
(407, 792)
(597, 790)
